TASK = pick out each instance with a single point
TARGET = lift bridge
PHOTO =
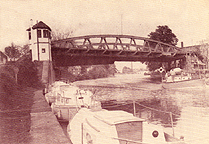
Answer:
(94, 49)
(105, 49)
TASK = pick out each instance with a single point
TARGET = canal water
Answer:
(188, 105)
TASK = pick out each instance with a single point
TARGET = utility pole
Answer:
(207, 56)
(121, 20)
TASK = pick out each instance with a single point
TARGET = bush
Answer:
(28, 73)
(8, 88)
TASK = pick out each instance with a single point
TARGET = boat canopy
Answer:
(115, 117)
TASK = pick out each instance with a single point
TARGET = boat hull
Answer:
(198, 83)
(63, 112)
(50, 99)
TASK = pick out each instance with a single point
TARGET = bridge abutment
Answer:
(46, 72)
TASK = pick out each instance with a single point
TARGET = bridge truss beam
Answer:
(104, 49)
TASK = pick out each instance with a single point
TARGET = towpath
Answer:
(45, 129)
(26, 118)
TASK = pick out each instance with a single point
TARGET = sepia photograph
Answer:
(104, 72)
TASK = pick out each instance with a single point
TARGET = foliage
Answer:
(199, 54)
(25, 49)
(8, 86)
(153, 65)
(96, 71)
(84, 72)
(15, 105)
(58, 34)
(201, 51)
(28, 74)
(163, 34)
(127, 70)
(12, 52)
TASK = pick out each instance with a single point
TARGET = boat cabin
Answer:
(115, 127)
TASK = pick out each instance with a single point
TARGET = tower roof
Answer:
(40, 25)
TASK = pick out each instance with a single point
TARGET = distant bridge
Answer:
(105, 49)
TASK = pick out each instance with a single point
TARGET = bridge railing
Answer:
(116, 43)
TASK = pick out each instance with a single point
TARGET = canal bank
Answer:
(45, 129)
(26, 118)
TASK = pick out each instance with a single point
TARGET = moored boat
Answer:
(176, 75)
(101, 126)
(66, 99)
(70, 101)
(194, 84)
(52, 91)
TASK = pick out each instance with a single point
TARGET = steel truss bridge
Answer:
(105, 49)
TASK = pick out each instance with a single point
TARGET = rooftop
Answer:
(40, 25)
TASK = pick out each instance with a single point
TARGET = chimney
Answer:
(182, 44)
(31, 23)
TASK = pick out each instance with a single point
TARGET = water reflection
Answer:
(189, 108)
(188, 102)
(155, 109)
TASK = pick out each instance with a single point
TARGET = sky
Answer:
(188, 19)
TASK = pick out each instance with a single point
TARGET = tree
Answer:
(12, 52)
(163, 34)
(25, 49)
(153, 65)
(59, 34)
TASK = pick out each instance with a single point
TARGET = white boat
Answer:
(51, 92)
(177, 75)
(114, 127)
(67, 99)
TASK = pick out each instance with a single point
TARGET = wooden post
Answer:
(134, 106)
(198, 68)
(16, 70)
(172, 123)
(81, 133)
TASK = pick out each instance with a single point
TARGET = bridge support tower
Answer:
(39, 36)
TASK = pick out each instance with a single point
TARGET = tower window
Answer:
(39, 33)
(43, 50)
(49, 34)
(29, 34)
(46, 34)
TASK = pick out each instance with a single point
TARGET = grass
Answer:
(15, 105)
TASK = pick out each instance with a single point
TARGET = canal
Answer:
(155, 101)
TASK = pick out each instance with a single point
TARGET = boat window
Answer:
(129, 130)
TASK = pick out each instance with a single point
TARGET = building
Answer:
(3, 58)
(39, 36)
(197, 56)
